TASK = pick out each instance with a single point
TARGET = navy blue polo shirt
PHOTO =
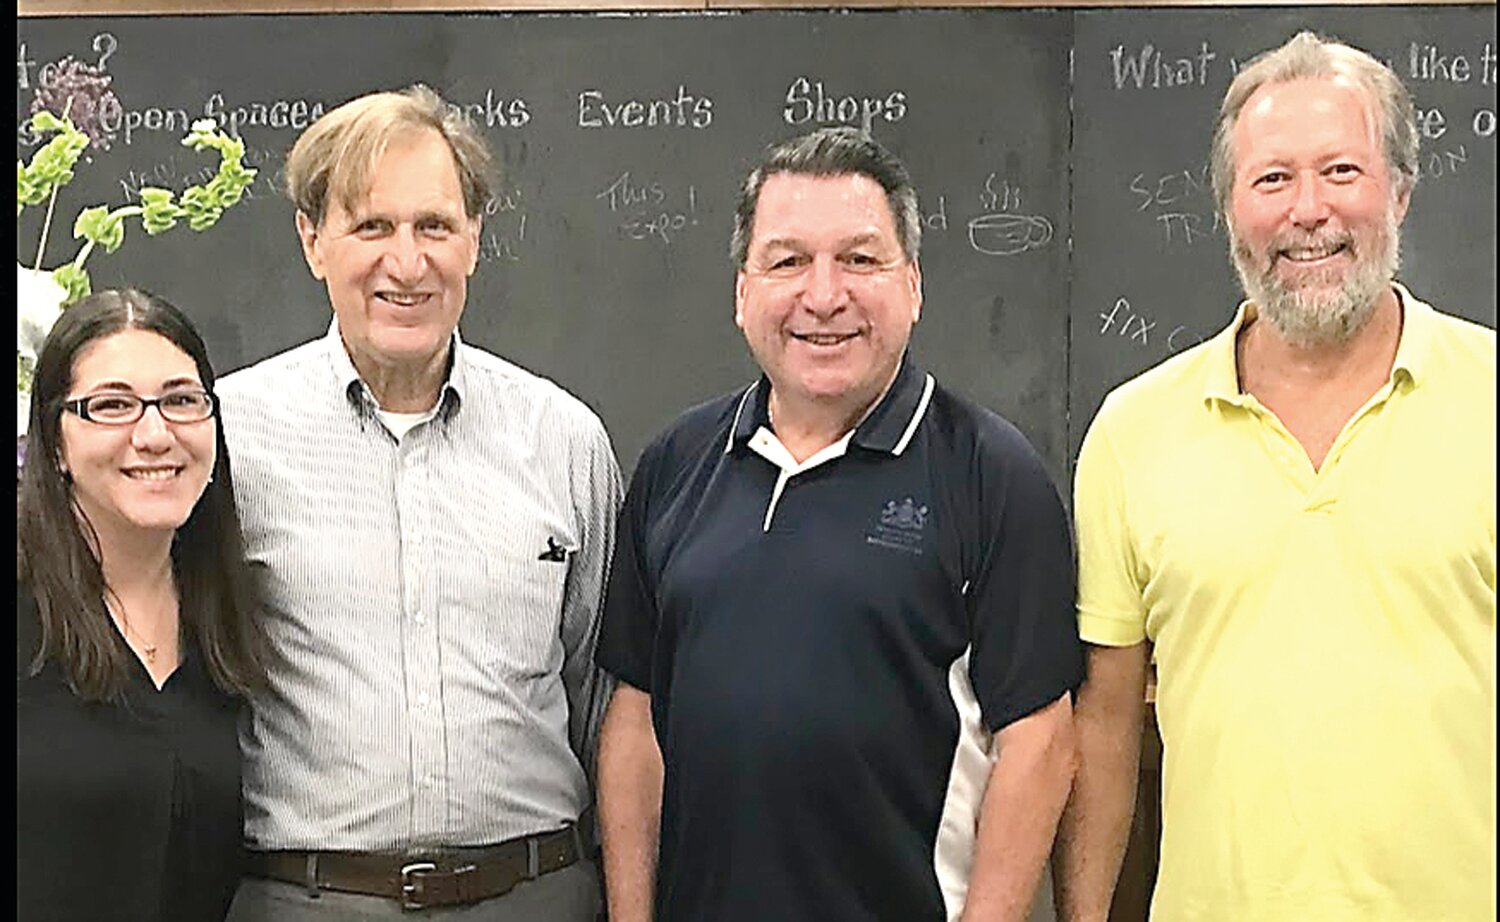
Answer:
(829, 647)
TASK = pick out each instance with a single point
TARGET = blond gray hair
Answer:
(1309, 56)
(333, 159)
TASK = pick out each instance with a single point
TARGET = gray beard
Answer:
(1307, 320)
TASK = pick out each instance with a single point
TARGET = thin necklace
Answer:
(147, 648)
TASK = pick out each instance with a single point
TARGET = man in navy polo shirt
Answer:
(841, 608)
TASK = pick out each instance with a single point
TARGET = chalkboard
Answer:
(1047, 158)
(1150, 272)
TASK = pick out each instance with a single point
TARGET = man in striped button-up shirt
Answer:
(430, 526)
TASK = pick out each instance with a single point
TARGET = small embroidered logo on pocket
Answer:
(555, 553)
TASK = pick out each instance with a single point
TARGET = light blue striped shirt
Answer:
(434, 601)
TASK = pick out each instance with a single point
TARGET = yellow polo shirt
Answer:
(1324, 640)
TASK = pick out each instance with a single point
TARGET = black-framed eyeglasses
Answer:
(187, 406)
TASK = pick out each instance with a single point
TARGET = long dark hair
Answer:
(54, 556)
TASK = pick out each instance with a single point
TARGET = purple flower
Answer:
(93, 102)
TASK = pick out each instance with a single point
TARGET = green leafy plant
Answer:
(200, 206)
(42, 294)
(52, 166)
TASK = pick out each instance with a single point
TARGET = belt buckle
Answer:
(409, 883)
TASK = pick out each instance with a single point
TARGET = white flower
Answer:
(39, 302)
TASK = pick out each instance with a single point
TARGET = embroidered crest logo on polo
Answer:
(905, 514)
(902, 526)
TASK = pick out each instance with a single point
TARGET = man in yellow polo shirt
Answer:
(1296, 520)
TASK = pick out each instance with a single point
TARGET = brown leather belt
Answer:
(442, 877)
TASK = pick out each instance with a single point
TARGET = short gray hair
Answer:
(831, 152)
(1308, 56)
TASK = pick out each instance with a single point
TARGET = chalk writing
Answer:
(1170, 188)
(24, 65)
(292, 114)
(496, 111)
(277, 113)
(623, 193)
(1150, 68)
(503, 201)
(105, 45)
(665, 225)
(504, 236)
(108, 110)
(1430, 62)
(1181, 338)
(808, 101)
(1180, 202)
(648, 209)
(1432, 123)
(938, 219)
(504, 246)
(1186, 226)
(1444, 162)
(154, 118)
(170, 173)
(161, 174)
(683, 111)
(1124, 322)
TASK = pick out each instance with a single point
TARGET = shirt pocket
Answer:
(514, 616)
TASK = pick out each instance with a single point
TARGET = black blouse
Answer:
(125, 811)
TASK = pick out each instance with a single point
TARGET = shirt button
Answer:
(422, 699)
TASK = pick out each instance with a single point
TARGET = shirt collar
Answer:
(887, 428)
(1222, 379)
(354, 388)
(1418, 320)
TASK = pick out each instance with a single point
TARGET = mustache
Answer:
(1327, 241)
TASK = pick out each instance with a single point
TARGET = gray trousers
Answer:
(569, 895)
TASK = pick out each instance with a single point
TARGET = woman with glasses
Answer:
(136, 644)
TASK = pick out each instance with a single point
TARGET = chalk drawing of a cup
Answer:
(1009, 234)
